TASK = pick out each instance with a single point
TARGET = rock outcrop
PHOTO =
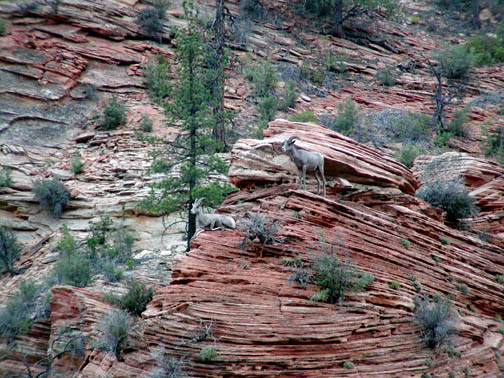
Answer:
(265, 325)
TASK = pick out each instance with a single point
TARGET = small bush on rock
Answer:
(115, 328)
(114, 114)
(304, 116)
(136, 299)
(450, 196)
(52, 195)
(457, 61)
(5, 179)
(437, 320)
(408, 154)
(9, 251)
(148, 19)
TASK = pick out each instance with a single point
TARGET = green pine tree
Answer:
(190, 158)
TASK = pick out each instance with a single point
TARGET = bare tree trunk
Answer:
(475, 10)
(338, 19)
(219, 131)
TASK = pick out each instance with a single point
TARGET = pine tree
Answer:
(342, 10)
(190, 158)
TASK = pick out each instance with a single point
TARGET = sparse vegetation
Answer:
(304, 116)
(258, 226)
(136, 299)
(289, 96)
(347, 365)
(463, 289)
(115, 327)
(166, 366)
(157, 79)
(114, 114)
(52, 195)
(2, 26)
(150, 22)
(208, 354)
(449, 195)
(29, 304)
(394, 285)
(456, 61)
(494, 146)
(335, 277)
(437, 320)
(146, 124)
(386, 77)
(77, 163)
(301, 275)
(9, 251)
(405, 243)
(408, 154)
(500, 278)
(346, 120)
(5, 179)
(458, 124)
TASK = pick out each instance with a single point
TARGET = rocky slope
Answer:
(56, 71)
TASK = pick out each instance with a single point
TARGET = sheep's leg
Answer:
(321, 169)
(318, 181)
(304, 177)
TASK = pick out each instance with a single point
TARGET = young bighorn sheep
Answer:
(306, 161)
(212, 220)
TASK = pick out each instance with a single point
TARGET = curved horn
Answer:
(292, 138)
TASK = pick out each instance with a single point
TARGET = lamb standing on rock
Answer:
(212, 220)
(305, 161)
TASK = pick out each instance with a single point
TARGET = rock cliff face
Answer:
(262, 324)
(56, 71)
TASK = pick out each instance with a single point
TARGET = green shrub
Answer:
(149, 21)
(386, 77)
(111, 272)
(408, 154)
(494, 146)
(208, 354)
(437, 320)
(500, 278)
(146, 124)
(114, 114)
(334, 277)
(457, 61)
(5, 179)
(394, 285)
(311, 74)
(52, 195)
(161, 6)
(73, 268)
(304, 116)
(463, 289)
(347, 365)
(450, 196)
(25, 306)
(2, 26)
(115, 327)
(457, 126)
(136, 299)
(405, 243)
(346, 120)
(9, 250)
(488, 50)
(157, 79)
(77, 164)
(288, 97)
(267, 108)
(411, 128)
(262, 74)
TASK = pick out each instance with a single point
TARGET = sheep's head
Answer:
(196, 205)
(289, 142)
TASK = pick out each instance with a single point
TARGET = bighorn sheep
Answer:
(305, 161)
(212, 220)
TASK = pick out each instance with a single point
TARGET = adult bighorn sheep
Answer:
(306, 161)
(212, 220)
